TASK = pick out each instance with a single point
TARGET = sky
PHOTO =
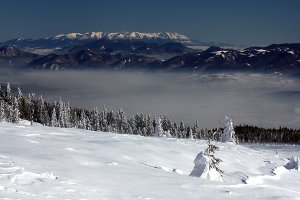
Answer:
(230, 21)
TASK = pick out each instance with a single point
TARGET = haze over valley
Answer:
(269, 100)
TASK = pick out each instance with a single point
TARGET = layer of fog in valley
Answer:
(269, 100)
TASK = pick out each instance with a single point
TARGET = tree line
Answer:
(60, 114)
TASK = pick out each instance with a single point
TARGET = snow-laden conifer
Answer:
(54, 122)
(229, 133)
(158, 128)
(206, 164)
(2, 111)
(15, 117)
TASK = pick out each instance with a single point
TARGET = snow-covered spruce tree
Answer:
(23, 105)
(95, 120)
(166, 124)
(228, 134)
(41, 109)
(88, 124)
(103, 120)
(194, 131)
(133, 126)
(8, 94)
(82, 122)
(15, 112)
(67, 115)
(158, 128)
(210, 151)
(74, 119)
(112, 122)
(190, 133)
(206, 164)
(2, 111)
(61, 113)
(54, 122)
(181, 130)
(122, 122)
(149, 126)
(31, 108)
(19, 95)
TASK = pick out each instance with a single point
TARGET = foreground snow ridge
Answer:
(38, 162)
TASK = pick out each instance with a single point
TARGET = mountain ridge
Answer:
(123, 35)
(276, 57)
(71, 39)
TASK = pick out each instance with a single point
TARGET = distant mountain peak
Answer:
(11, 51)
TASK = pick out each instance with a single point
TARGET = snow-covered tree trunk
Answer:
(229, 134)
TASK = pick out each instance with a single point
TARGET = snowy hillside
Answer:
(39, 162)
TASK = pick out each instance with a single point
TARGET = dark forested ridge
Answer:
(254, 134)
(143, 56)
(61, 114)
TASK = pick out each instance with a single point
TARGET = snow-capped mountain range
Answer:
(164, 51)
(123, 36)
(68, 40)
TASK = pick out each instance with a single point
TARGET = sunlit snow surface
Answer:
(39, 162)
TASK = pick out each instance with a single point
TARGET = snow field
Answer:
(39, 162)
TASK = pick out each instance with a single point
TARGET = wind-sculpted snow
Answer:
(38, 162)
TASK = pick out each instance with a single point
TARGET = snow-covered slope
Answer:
(39, 162)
